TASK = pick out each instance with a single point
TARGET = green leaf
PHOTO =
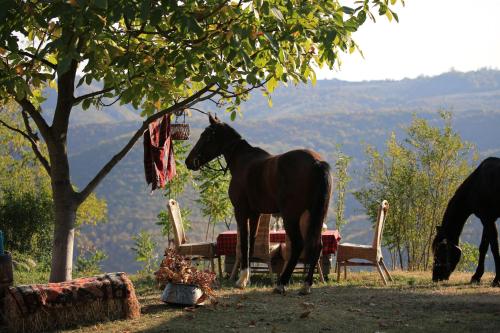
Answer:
(102, 4)
(180, 74)
(80, 82)
(361, 17)
(312, 75)
(389, 15)
(145, 7)
(63, 65)
(271, 84)
(277, 13)
(396, 17)
(271, 40)
(233, 115)
(86, 104)
(347, 10)
(278, 71)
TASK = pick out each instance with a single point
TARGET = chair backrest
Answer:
(262, 239)
(379, 227)
(176, 221)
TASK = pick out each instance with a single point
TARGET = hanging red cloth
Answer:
(159, 161)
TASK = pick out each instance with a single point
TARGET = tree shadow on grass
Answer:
(342, 309)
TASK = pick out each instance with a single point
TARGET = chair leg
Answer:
(235, 269)
(345, 272)
(320, 271)
(339, 265)
(381, 273)
(220, 266)
(212, 264)
(385, 269)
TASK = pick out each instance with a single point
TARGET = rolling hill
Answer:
(332, 113)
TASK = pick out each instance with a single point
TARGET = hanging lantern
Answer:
(180, 130)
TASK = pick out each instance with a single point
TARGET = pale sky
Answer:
(432, 37)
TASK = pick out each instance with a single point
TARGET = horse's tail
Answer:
(319, 204)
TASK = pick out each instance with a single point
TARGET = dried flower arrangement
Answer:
(176, 268)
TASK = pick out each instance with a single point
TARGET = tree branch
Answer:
(37, 118)
(34, 145)
(27, 125)
(118, 157)
(78, 99)
(92, 94)
(42, 60)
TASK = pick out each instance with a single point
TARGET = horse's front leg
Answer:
(247, 227)
(493, 236)
(483, 248)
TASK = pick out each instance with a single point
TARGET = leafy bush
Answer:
(469, 259)
(145, 251)
(89, 262)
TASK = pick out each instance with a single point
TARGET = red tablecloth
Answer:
(226, 241)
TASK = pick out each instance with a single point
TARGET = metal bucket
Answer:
(181, 294)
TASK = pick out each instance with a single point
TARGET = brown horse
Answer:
(296, 184)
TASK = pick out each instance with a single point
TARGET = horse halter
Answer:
(233, 145)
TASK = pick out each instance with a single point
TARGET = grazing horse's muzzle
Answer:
(441, 271)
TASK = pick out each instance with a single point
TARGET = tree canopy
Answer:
(154, 54)
(161, 57)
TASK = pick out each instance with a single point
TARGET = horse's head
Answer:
(446, 257)
(213, 142)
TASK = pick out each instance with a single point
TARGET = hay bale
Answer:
(37, 308)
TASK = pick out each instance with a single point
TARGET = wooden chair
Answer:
(205, 250)
(264, 251)
(371, 254)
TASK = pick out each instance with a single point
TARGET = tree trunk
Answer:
(65, 206)
(62, 246)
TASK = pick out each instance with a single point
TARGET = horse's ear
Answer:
(212, 119)
(217, 119)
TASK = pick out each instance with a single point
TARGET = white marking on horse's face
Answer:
(244, 278)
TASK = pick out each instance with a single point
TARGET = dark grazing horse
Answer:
(296, 184)
(479, 194)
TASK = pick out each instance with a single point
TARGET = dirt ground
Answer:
(412, 303)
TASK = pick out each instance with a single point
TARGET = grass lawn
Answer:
(362, 304)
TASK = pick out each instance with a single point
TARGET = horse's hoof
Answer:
(279, 289)
(475, 280)
(496, 283)
(305, 290)
(241, 284)
(244, 278)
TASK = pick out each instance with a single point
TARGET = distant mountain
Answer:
(332, 113)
